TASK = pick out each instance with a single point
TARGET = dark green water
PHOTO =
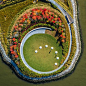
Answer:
(78, 78)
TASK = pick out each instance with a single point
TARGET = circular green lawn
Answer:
(42, 60)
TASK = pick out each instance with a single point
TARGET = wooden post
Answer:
(5, 18)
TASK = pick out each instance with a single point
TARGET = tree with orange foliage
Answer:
(34, 17)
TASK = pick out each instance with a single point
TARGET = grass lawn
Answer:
(42, 60)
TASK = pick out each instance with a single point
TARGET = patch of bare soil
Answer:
(52, 33)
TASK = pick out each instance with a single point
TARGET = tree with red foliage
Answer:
(63, 40)
(34, 17)
(58, 18)
(53, 21)
(11, 49)
(13, 39)
(16, 56)
(38, 17)
(64, 37)
(44, 16)
(36, 9)
(26, 15)
(52, 17)
(33, 9)
(14, 46)
(61, 35)
(41, 10)
(42, 13)
(44, 9)
(49, 19)
(15, 27)
(13, 52)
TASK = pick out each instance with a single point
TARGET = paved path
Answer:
(69, 22)
(42, 30)
(38, 31)
(78, 42)
(78, 50)
(77, 35)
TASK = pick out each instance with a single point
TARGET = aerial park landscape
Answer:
(41, 42)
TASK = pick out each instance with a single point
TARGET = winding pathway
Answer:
(36, 31)
(78, 50)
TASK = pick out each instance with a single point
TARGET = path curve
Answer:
(78, 51)
(38, 31)
(40, 72)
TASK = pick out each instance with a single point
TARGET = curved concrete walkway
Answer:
(78, 43)
(38, 31)
(64, 13)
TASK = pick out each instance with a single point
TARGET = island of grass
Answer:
(44, 60)
(36, 16)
